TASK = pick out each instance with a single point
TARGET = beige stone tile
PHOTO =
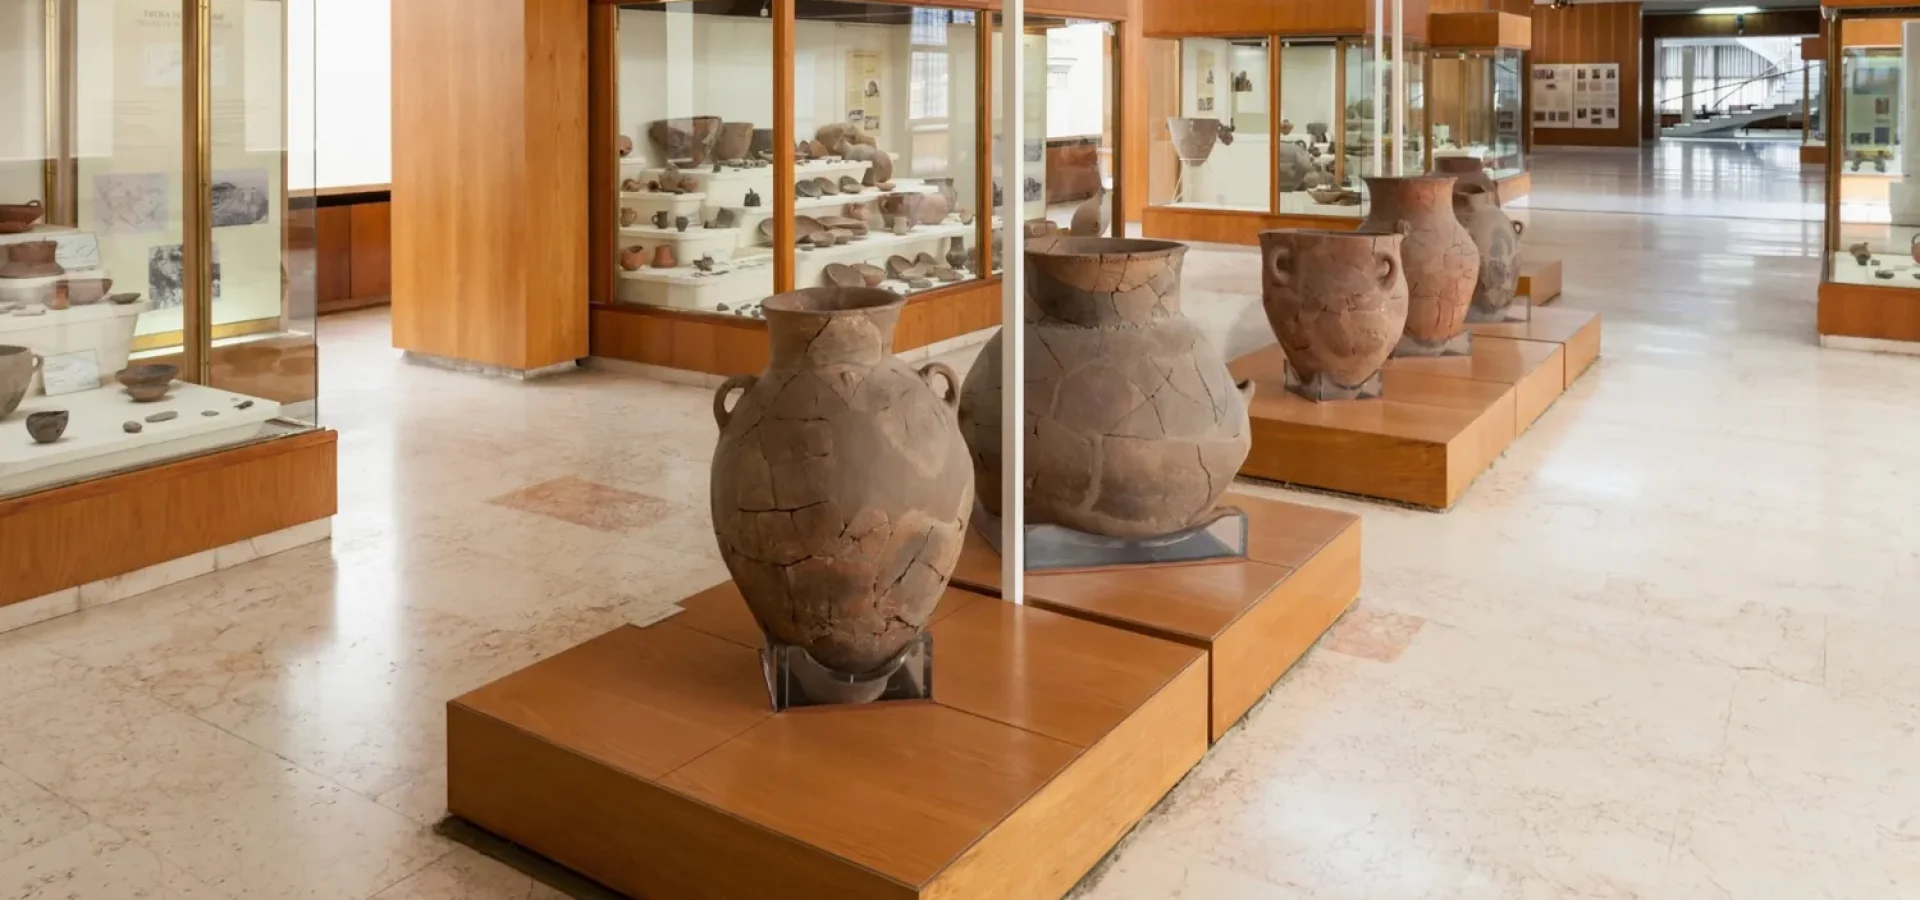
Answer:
(423, 799)
(97, 863)
(132, 584)
(588, 504)
(1371, 633)
(466, 875)
(31, 815)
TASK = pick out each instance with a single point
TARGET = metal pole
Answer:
(1377, 80)
(1013, 270)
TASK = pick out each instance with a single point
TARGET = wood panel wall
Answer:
(490, 239)
(353, 252)
(1592, 33)
(1135, 127)
(75, 535)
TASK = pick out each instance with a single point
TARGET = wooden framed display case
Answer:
(1072, 82)
(1475, 93)
(736, 155)
(1265, 116)
(1870, 289)
(157, 299)
(1813, 102)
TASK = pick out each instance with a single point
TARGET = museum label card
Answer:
(70, 373)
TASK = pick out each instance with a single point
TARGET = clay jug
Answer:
(1337, 302)
(1468, 172)
(633, 259)
(1438, 256)
(686, 139)
(1134, 427)
(1498, 240)
(734, 142)
(17, 368)
(1094, 214)
(663, 257)
(841, 488)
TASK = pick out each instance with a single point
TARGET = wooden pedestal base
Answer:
(1255, 618)
(1540, 281)
(1228, 226)
(1441, 422)
(649, 759)
(1813, 156)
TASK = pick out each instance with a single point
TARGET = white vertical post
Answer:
(1401, 106)
(1377, 81)
(1013, 271)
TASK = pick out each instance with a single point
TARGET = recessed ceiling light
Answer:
(1728, 10)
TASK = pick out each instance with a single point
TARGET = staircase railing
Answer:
(1785, 89)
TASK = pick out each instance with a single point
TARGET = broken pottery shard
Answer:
(167, 416)
(132, 427)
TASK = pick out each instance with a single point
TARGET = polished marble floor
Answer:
(1663, 649)
(1748, 179)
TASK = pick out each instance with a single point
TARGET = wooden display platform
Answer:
(650, 760)
(1868, 311)
(1255, 618)
(1540, 281)
(1441, 422)
(1813, 156)
(1577, 330)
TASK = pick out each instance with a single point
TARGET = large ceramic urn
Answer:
(841, 486)
(17, 368)
(1497, 238)
(1193, 139)
(1439, 258)
(1337, 302)
(1134, 427)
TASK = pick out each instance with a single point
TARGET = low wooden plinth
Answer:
(979, 566)
(648, 759)
(1540, 281)
(1536, 369)
(1423, 442)
(1813, 155)
(1869, 311)
(1255, 618)
(1576, 330)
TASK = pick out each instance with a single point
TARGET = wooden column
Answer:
(1133, 177)
(490, 242)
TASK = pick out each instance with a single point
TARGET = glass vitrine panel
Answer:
(1474, 103)
(1875, 229)
(113, 355)
(694, 109)
(1069, 90)
(885, 100)
(1214, 119)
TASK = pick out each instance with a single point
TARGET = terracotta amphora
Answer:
(1337, 302)
(1134, 427)
(841, 487)
(1498, 240)
(1438, 255)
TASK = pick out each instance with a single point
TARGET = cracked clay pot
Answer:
(841, 486)
(1134, 427)
(1438, 257)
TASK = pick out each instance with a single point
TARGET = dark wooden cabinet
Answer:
(354, 251)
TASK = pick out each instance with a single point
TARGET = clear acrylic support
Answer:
(1322, 388)
(1459, 345)
(1517, 311)
(1053, 549)
(796, 680)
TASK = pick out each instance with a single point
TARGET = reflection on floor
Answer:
(1662, 649)
(1719, 178)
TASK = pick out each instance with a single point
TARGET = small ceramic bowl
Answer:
(149, 382)
(47, 427)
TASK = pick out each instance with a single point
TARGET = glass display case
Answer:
(1473, 101)
(1873, 219)
(153, 309)
(1073, 150)
(1813, 104)
(882, 178)
(1212, 124)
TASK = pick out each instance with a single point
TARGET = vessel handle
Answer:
(951, 396)
(1246, 391)
(1389, 268)
(743, 383)
(1520, 230)
(1282, 255)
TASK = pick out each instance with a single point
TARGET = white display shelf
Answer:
(748, 278)
(810, 266)
(96, 440)
(1846, 271)
(729, 187)
(646, 203)
(723, 243)
(105, 328)
(1299, 203)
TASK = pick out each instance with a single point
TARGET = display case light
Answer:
(1727, 10)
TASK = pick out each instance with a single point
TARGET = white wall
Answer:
(1306, 86)
(22, 100)
(340, 91)
(1079, 108)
